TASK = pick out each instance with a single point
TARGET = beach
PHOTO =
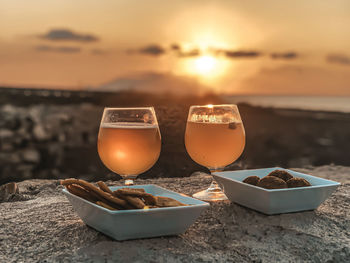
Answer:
(53, 134)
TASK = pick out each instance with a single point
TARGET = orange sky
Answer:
(246, 47)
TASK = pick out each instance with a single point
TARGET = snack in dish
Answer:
(272, 182)
(297, 182)
(277, 179)
(121, 199)
(163, 201)
(100, 203)
(104, 187)
(253, 180)
(284, 175)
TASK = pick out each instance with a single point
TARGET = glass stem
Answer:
(129, 182)
(213, 193)
(128, 179)
(214, 185)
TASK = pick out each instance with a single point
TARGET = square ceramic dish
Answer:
(139, 223)
(274, 201)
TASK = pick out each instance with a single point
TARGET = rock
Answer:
(30, 156)
(35, 113)
(13, 123)
(25, 171)
(40, 133)
(26, 128)
(46, 229)
(9, 109)
(8, 190)
(64, 118)
(325, 141)
(5, 134)
(12, 157)
(6, 146)
(61, 137)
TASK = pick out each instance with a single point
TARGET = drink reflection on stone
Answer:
(129, 141)
(214, 138)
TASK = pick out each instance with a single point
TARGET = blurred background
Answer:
(286, 64)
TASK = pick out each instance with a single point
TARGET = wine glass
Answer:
(214, 138)
(129, 141)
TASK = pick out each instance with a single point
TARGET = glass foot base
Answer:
(129, 182)
(210, 195)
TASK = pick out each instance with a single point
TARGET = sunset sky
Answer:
(241, 47)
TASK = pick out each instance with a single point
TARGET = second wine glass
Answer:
(129, 141)
(214, 138)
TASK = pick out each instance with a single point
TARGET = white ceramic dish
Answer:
(139, 223)
(274, 201)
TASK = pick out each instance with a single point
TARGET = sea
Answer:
(313, 103)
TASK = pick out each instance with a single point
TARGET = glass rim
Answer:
(214, 105)
(128, 108)
(108, 110)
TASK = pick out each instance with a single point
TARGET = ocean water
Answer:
(314, 103)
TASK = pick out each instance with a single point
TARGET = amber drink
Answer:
(129, 149)
(129, 141)
(214, 138)
(214, 145)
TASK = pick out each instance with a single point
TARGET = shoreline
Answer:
(29, 96)
(307, 103)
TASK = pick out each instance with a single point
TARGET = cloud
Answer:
(286, 55)
(98, 51)
(195, 52)
(68, 35)
(242, 54)
(237, 53)
(175, 46)
(338, 59)
(157, 50)
(153, 50)
(46, 48)
(191, 53)
(178, 51)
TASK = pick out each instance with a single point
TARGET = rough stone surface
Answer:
(7, 191)
(46, 229)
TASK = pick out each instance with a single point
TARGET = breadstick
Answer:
(105, 205)
(163, 201)
(130, 191)
(133, 189)
(149, 199)
(134, 201)
(90, 196)
(104, 187)
(92, 188)
(81, 192)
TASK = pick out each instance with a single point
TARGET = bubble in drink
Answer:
(232, 125)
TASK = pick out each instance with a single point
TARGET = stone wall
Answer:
(58, 141)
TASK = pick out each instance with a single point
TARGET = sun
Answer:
(207, 67)
(205, 64)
